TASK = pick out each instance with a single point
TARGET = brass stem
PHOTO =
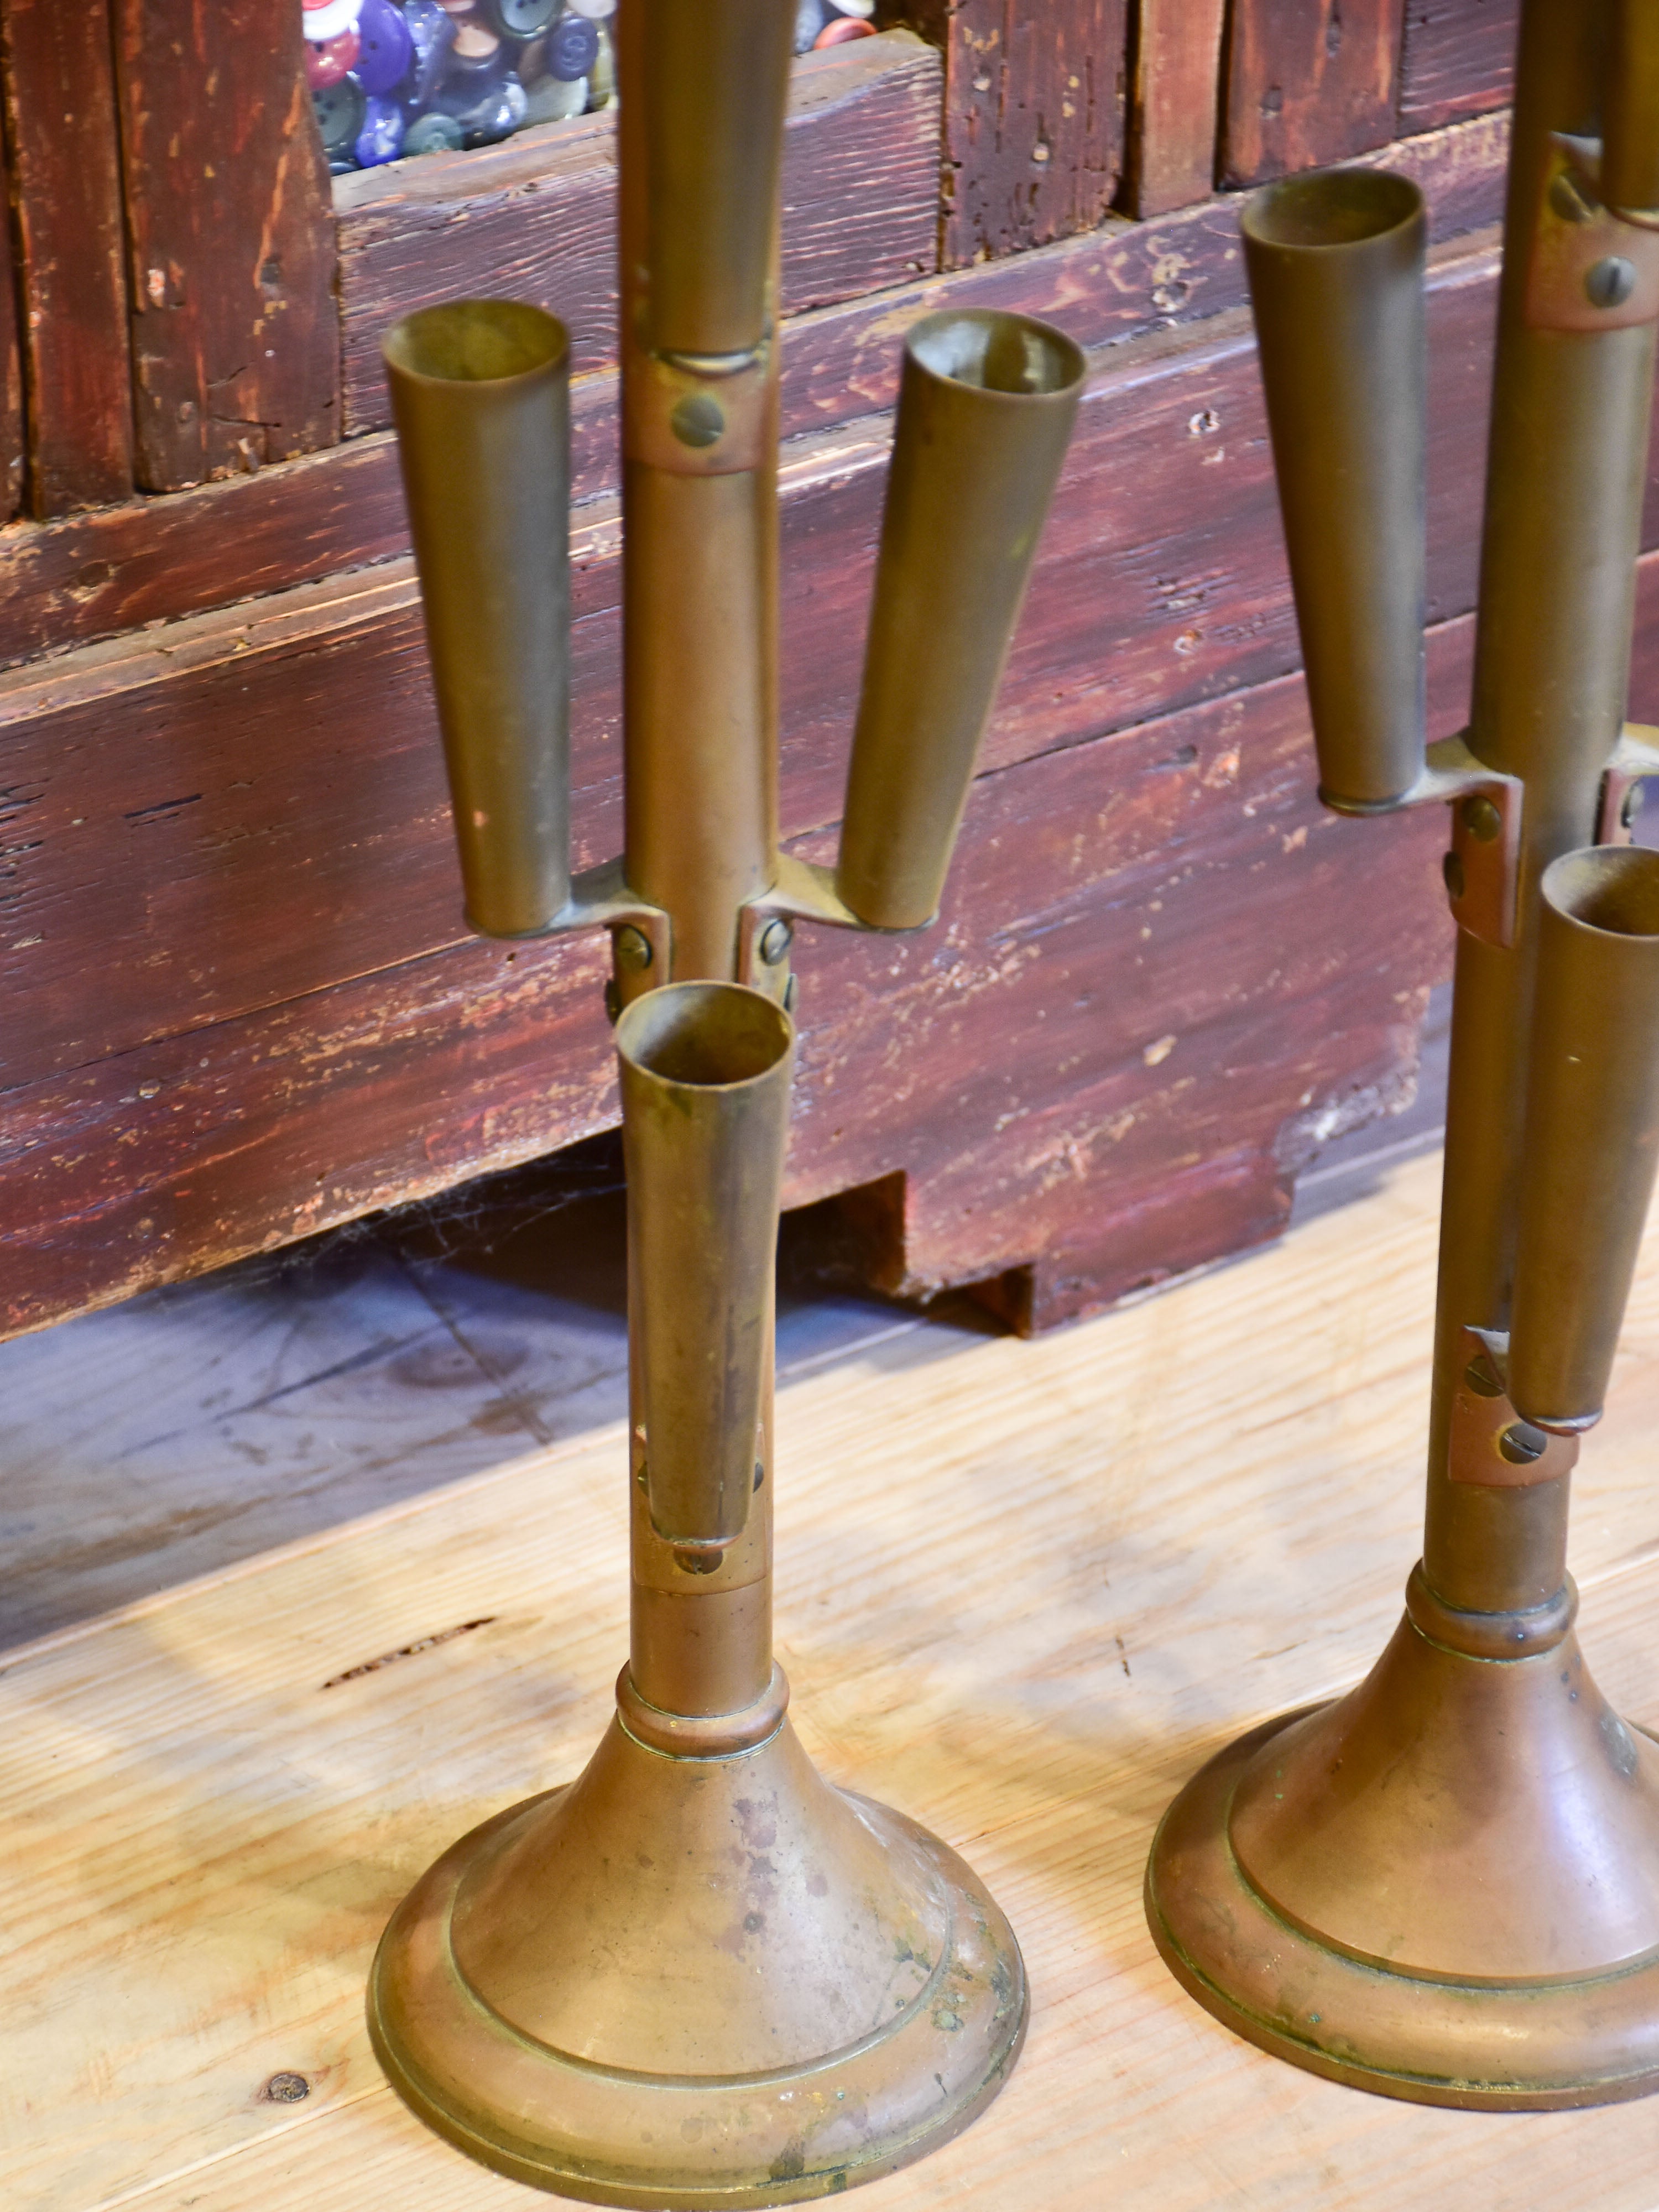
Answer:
(1565, 474)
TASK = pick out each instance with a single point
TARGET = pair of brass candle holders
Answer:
(700, 1975)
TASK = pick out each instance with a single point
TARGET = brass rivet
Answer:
(698, 420)
(1452, 869)
(1609, 283)
(1481, 818)
(1568, 201)
(775, 940)
(633, 950)
(760, 1473)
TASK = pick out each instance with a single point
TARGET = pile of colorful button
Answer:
(389, 77)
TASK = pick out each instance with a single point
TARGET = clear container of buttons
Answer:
(391, 78)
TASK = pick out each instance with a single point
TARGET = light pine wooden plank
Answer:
(1024, 1589)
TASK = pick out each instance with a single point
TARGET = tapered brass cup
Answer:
(480, 395)
(986, 408)
(699, 1975)
(1592, 1139)
(1335, 263)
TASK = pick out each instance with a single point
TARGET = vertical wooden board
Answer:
(235, 339)
(1035, 101)
(1307, 81)
(1457, 59)
(1175, 107)
(11, 361)
(60, 119)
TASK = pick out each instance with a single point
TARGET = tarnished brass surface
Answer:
(480, 394)
(1446, 1886)
(1336, 264)
(986, 408)
(1592, 1129)
(701, 1975)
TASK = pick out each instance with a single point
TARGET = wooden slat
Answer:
(535, 218)
(1457, 60)
(235, 335)
(158, 559)
(12, 452)
(1174, 112)
(1034, 116)
(61, 126)
(1024, 1590)
(282, 760)
(1309, 81)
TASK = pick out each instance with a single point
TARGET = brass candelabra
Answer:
(700, 1974)
(1445, 1884)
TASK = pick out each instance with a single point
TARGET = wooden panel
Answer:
(61, 126)
(92, 575)
(235, 342)
(1175, 115)
(535, 218)
(1458, 59)
(12, 428)
(282, 760)
(1036, 102)
(1024, 1591)
(1309, 81)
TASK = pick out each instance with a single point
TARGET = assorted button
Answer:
(393, 77)
(396, 77)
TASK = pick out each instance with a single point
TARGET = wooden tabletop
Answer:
(1025, 1589)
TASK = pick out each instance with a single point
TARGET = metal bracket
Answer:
(1635, 758)
(1591, 268)
(1489, 1443)
(1483, 868)
(642, 934)
(801, 891)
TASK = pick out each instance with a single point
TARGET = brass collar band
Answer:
(709, 1735)
(1490, 1635)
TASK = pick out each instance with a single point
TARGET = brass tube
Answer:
(1565, 474)
(1630, 145)
(480, 395)
(1335, 264)
(1592, 1130)
(705, 1088)
(703, 91)
(987, 403)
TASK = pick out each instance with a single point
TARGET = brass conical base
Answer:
(697, 1976)
(1444, 1887)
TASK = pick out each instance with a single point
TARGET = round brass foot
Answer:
(698, 1981)
(1443, 1888)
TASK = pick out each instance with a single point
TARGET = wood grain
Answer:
(1309, 81)
(163, 559)
(12, 452)
(62, 136)
(235, 345)
(1035, 107)
(1174, 112)
(535, 218)
(1457, 59)
(1025, 1589)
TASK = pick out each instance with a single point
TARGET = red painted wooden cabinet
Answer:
(239, 1003)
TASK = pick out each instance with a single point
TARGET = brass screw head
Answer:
(699, 421)
(776, 939)
(1481, 818)
(633, 950)
(1481, 1377)
(1522, 1444)
(1567, 199)
(1609, 283)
